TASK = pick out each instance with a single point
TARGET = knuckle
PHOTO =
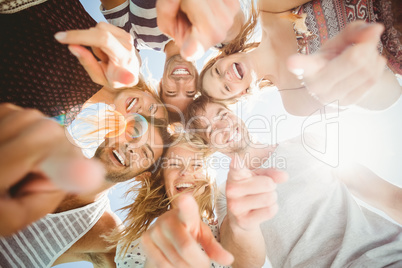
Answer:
(271, 211)
(8, 106)
(232, 206)
(33, 113)
(230, 190)
(355, 57)
(104, 37)
(184, 245)
(101, 25)
(269, 184)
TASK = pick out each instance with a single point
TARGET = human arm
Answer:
(251, 200)
(39, 166)
(172, 241)
(349, 69)
(119, 64)
(196, 25)
(372, 189)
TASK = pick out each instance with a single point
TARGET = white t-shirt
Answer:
(319, 224)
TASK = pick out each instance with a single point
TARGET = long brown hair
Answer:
(241, 43)
(151, 199)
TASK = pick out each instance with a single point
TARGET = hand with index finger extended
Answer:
(40, 168)
(345, 68)
(251, 195)
(173, 239)
(119, 61)
(196, 25)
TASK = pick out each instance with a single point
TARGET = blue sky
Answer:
(372, 138)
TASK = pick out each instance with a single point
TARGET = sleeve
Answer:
(118, 16)
(221, 206)
(134, 257)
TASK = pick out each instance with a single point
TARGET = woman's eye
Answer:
(223, 116)
(151, 108)
(217, 71)
(227, 88)
(145, 153)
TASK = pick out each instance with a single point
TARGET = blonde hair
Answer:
(241, 43)
(151, 199)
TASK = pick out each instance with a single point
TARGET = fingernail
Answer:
(74, 51)
(199, 52)
(60, 36)
(298, 72)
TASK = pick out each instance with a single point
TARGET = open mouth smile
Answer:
(119, 157)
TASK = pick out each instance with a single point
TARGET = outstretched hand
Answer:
(251, 195)
(345, 68)
(173, 239)
(39, 166)
(119, 64)
(196, 25)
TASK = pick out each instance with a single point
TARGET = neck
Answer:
(268, 68)
(171, 49)
(254, 155)
(105, 95)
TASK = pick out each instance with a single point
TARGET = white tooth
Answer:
(237, 137)
(119, 157)
(133, 102)
(181, 71)
(184, 185)
(235, 71)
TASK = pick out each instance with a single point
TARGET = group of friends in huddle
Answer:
(57, 64)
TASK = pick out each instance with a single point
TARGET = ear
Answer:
(160, 89)
(246, 91)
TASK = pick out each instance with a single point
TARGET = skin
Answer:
(138, 154)
(250, 193)
(39, 168)
(198, 25)
(178, 90)
(251, 199)
(352, 54)
(182, 166)
(222, 82)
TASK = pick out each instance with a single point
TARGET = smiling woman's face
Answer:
(229, 77)
(183, 168)
(140, 102)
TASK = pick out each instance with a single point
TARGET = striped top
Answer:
(41, 243)
(138, 17)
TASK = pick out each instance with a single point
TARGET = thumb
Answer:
(238, 171)
(276, 175)
(192, 48)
